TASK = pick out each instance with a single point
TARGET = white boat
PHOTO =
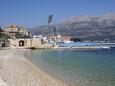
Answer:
(104, 47)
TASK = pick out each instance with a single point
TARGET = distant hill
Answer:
(85, 27)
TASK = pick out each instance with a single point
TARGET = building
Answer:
(15, 36)
(16, 31)
(60, 38)
(28, 43)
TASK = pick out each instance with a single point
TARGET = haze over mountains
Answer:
(85, 27)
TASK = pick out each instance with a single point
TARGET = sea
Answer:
(78, 67)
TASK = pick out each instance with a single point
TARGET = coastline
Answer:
(16, 70)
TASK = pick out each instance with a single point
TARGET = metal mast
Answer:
(49, 22)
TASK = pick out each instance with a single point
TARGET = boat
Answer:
(104, 47)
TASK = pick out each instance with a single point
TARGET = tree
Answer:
(75, 39)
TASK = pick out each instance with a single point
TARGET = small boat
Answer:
(104, 47)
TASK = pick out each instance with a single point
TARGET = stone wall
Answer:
(14, 42)
(29, 43)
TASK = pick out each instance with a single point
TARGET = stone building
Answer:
(24, 38)
(27, 43)
(20, 42)
(13, 31)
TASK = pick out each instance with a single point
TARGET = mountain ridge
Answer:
(94, 28)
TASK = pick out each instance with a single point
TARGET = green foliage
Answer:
(21, 36)
(75, 39)
(3, 36)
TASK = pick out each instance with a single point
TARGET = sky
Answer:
(32, 13)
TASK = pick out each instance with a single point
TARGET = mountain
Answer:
(95, 28)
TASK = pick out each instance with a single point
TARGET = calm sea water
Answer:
(78, 67)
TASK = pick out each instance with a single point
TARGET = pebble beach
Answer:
(16, 70)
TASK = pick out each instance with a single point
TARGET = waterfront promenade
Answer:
(16, 70)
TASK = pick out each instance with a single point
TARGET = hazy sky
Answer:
(32, 13)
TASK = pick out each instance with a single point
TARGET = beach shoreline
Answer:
(16, 70)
